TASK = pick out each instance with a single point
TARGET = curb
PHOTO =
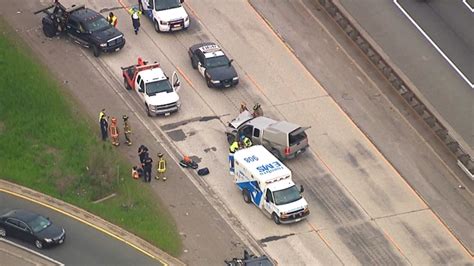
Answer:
(402, 84)
(91, 220)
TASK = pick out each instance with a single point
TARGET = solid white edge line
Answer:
(31, 251)
(468, 5)
(434, 44)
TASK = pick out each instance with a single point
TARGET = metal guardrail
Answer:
(378, 58)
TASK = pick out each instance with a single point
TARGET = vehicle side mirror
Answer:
(177, 83)
(230, 62)
(140, 89)
(301, 189)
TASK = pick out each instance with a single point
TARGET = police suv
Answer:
(266, 182)
(209, 59)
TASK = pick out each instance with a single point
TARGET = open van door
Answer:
(175, 81)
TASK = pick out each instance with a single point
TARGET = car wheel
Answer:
(3, 232)
(156, 26)
(39, 244)
(148, 111)
(246, 195)
(125, 83)
(96, 50)
(209, 84)
(49, 31)
(194, 63)
(275, 218)
(277, 154)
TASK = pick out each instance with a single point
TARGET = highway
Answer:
(363, 209)
(84, 245)
(448, 23)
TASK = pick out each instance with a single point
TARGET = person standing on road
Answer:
(114, 132)
(104, 126)
(112, 19)
(127, 130)
(142, 154)
(161, 170)
(148, 165)
(257, 110)
(135, 13)
(232, 149)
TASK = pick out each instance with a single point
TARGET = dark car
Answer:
(209, 59)
(31, 227)
(85, 26)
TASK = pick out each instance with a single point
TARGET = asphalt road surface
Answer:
(84, 245)
(439, 83)
(363, 211)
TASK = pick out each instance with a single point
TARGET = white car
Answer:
(167, 15)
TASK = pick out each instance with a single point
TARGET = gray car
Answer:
(284, 139)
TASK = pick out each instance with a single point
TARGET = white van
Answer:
(267, 183)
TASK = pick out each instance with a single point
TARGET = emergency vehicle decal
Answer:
(255, 193)
(269, 167)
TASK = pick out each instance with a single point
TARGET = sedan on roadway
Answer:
(211, 62)
(31, 227)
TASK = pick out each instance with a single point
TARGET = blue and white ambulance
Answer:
(267, 183)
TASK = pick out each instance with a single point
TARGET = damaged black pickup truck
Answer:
(85, 26)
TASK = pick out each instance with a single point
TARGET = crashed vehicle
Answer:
(284, 139)
(84, 26)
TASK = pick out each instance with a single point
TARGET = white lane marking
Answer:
(32, 251)
(468, 5)
(434, 44)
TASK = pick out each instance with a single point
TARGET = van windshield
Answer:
(287, 195)
(297, 136)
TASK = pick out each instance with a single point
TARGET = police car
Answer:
(209, 59)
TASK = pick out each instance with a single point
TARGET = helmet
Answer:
(256, 106)
(160, 154)
(125, 117)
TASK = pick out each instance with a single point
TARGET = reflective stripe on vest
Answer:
(162, 166)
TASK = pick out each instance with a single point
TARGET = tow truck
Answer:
(85, 26)
(159, 96)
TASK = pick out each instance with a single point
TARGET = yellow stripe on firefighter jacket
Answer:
(162, 165)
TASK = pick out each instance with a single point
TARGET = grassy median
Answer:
(46, 145)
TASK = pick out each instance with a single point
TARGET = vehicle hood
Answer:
(172, 14)
(293, 206)
(222, 73)
(52, 231)
(106, 34)
(162, 98)
(240, 119)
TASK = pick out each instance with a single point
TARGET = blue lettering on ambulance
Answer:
(269, 168)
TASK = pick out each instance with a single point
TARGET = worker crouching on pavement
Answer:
(161, 170)
(114, 132)
(232, 149)
(127, 130)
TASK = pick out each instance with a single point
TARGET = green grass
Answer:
(48, 145)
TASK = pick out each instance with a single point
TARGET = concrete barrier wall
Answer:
(401, 84)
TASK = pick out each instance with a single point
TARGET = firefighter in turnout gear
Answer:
(114, 132)
(161, 170)
(127, 130)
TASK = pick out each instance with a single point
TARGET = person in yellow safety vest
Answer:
(112, 19)
(245, 142)
(114, 132)
(232, 149)
(127, 130)
(160, 172)
(135, 13)
(102, 114)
